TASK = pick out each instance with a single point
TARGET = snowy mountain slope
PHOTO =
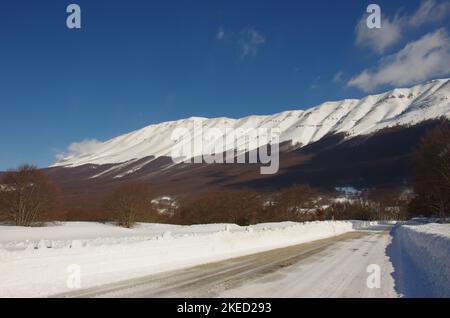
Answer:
(354, 117)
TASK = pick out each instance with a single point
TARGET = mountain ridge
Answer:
(353, 117)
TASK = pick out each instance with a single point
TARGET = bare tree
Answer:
(432, 170)
(129, 203)
(387, 203)
(245, 207)
(27, 195)
(296, 203)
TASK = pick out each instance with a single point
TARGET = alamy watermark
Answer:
(374, 278)
(73, 20)
(74, 276)
(373, 21)
(200, 144)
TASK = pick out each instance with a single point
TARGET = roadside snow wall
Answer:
(428, 248)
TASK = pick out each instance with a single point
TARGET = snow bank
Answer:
(35, 261)
(428, 248)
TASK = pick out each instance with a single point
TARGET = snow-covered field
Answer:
(35, 261)
(39, 261)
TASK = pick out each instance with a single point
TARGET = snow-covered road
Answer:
(341, 270)
(332, 267)
(312, 259)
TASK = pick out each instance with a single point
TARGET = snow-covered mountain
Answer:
(354, 117)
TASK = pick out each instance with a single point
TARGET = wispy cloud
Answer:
(250, 40)
(220, 35)
(378, 39)
(392, 28)
(429, 11)
(315, 83)
(419, 60)
(78, 148)
(338, 77)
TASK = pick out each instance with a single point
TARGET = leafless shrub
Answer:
(296, 203)
(27, 196)
(228, 206)
(131, 203)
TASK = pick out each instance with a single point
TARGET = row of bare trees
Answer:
(28, 196)
(227, 206)
(246, 206)
(297, 203)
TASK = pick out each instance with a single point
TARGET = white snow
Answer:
(337, 271)
(414, 261)
(425, 248)
(353, 117)
(34, 261)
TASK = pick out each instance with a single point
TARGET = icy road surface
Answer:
(333, 267)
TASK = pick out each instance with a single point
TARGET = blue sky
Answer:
(134, 62)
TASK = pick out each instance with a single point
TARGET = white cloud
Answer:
(378, 39)
(249, 42)
(419, 60)
(220, 34)
(78, 148)
(430, 11)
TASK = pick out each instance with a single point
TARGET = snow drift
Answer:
(34, 263)
(427, 247)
